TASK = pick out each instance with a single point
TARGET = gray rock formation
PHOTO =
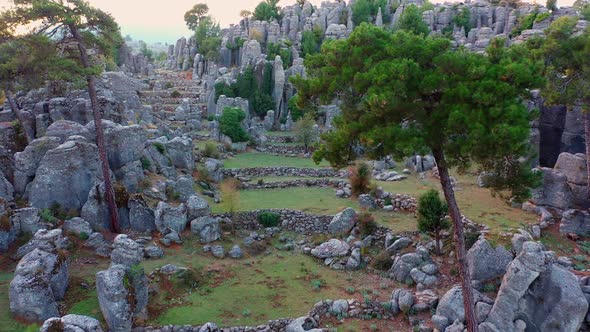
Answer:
(403, 265)
(40, 280)
(332, 248)
(141, 216)
(487, 263)
(122, 296)
(207, 228)
(76, 323)
(77, 226)
(343, 222)
(555, 191)
(126, 251)
(172, 217)
(65, 176)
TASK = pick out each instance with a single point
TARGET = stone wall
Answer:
(284, 171)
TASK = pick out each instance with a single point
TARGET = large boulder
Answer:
(72, 323)
(124, 144)
(451, 304)
(141, 216)
(576, 222)
(122, 296)
(332, 248)
(197, 207)
(486, 263)
(65, 176)
(180, 151)
(126, 251)
(343, 222)
(96, 210)
(574, 169)
(63, 129)
(172, 217)
(27, 221)
(207, 228)
(214, 169)
(27, 161)
(40, 280)
(50, 241)
(77, 226)
(404, 264)
(6, 188)
(554, 192)
(542, 295)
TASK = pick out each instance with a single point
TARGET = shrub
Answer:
(202, 174)
(230, 124)
(211, 151)
(168, 85)
(175, 94)
(211, 117)
(266, 10)
(145, 163)
(524, 23)
(317, 284)
(190, 278)
(160, 147)
(542, 16)
(360, 178)
(382, 261)
(48, 216)
(367, 224)
(431, 216)
(83, 236)
(350, 290)
(269, 219)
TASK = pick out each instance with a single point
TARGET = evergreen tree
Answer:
(431, 216)
(89, 27)
(305, 132)
(411, 21)
(403, 94)
(267, 10)
(568, 71)
(195, 15)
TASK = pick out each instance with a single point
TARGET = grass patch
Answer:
(253, 159)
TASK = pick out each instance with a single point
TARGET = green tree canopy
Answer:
(230, 124)
(194, 16)
(267, 10)
(403, 93)
(208, 38)
(363, 10)
(567, 57)
(431, 216)
(411, 21)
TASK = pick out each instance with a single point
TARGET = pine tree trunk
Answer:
(587, 139)
(455, 215)
(28, 131)
(109, 192)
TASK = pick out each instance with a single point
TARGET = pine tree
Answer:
(76, 20)
(403, 94)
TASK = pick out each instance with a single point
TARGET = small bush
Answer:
(145, 163)
(5, 223)
(367, 224)
(83, 236)
(168, 85)
(211, 117)
(230, 125)
(211, 151)
(191, 279)
(175, 94)
(202, 174)
(317, 284)
(489, 288)
(160, 147)
(246, 313)
(350, 290)
(48, 216)
(360, 178)
(382, 261)
(269, 219)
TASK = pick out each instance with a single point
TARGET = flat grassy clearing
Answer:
(254, 159)
(255, 289)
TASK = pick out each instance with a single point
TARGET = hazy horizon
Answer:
(158, 21)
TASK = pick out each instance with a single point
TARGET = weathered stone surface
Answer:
(575, 222)
(126, 251)
(27, 221)
(403, 265)
(63, 129)
(555, 190)
(207, 228)
(354, 261)
(451, 304)
(401, 300)
(77, 226)
(114, 287)
(197, 207)
(343, 222)
(97, 242)
(214, 169)
(236, 252)
(40, 280)
(71, 323)
(398, 245)
(168, 216)
(65, 176)
(27, 161)
(486, 263)
(96, 210)
(332, 248)
(180, 151)
(6, 188)
(573, 167)
(141, 216)
(50, 241)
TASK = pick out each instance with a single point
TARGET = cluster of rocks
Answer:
(284, 150)
(536, 292)
(320, 183)
(284, 171)
(413, 267)
(291, 220)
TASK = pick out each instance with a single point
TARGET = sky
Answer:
(163, 20)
